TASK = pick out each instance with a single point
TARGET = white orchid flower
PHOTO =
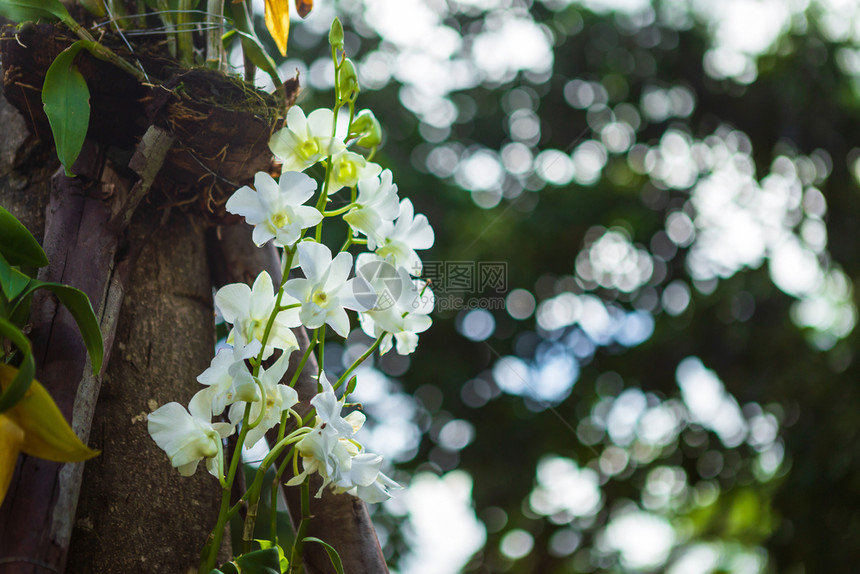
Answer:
(325, 292)
(278, 399)
(248, 310)
(403, 237)
(324, 453)
(276, 209)
(227, 380)
(348, 168)
(328, 408)
(402, 305)
(377, 204)
(188, 437)
(305, 140)
(369, 483)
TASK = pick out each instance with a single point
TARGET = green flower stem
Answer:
(170, 30)
(304, 360)
(183, 33)
(252, 495)
(273, 528)
(218, 532)
(263, 400)
(250, 521)
(359, 361)
(215, 25)
(290, 253)
(321, 203)
(340, 211)
(302, 530)
(106, 54)
(321, 336)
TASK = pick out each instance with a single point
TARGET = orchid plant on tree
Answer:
(244, 391)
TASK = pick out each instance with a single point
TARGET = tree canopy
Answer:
(646, 246)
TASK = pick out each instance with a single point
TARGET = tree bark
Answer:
(136, 512)
(82, 238)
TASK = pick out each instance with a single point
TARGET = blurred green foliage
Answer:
(782, 494)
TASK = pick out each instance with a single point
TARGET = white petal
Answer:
(315, 260)
(232, 301)
(189, 469)
(319, 122)
(339, 321)
(261, 235)
(406, 342)
(289, 396)
(307, 216)
(200, 405)
(299, 289)
(296, 187)
(267, 191)
(420, 235)
(245, 202)
(358, 295)
(365, 468)
(283, 144)
(338, 272)
(262, 296)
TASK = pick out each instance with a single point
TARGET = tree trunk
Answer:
(136, 512)
(124, 526)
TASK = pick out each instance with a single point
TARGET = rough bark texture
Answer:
(81, 251)
(136, 513)
(341, 520)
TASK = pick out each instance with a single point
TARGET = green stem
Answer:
(170, 29)
(252, 495)
(184, 42)
(340, 211)
(218, 532)
(302, 530)
(359, 361)
(304, 360)
(215, 24)
(322, 349)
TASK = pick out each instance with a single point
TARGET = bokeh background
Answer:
(647, 235)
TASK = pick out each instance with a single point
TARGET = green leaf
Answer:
(17, 244)
(66, 99)
(282, 557)
(12, 281)
(332, 553)
(257, 562)
(264, 561)
(26, 370)
(27, 10)
(78, 304)
(251, 45)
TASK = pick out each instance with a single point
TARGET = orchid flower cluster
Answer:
(243, 389)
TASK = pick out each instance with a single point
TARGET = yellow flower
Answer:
(36, 427)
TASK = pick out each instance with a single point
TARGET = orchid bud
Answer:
(335, 35)
(366, 127)
(347, 85)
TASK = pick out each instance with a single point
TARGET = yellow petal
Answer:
(278, 23)
(11, 439)
(47, 435)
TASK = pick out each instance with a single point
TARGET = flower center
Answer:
(256, 329)
(279, 219)
(346, 171)
(309, 148)
(320, 298)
